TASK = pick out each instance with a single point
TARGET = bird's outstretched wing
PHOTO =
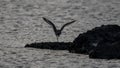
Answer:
(50, 23)
(67, 24)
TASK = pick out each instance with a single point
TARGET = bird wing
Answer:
(67, 24)
(50, 23)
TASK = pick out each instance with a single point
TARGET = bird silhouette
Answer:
(57, 31)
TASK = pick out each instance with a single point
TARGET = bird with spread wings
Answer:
(57, 31)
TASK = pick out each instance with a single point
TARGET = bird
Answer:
(57, 31)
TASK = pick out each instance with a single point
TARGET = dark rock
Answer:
(101, 42)
(107, 49)
(88, 41)
(51, 45)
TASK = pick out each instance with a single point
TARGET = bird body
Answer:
(57, 31)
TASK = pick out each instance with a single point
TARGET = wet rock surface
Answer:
(51, 45)
(95, 38)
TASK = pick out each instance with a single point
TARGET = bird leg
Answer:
(57, 39)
